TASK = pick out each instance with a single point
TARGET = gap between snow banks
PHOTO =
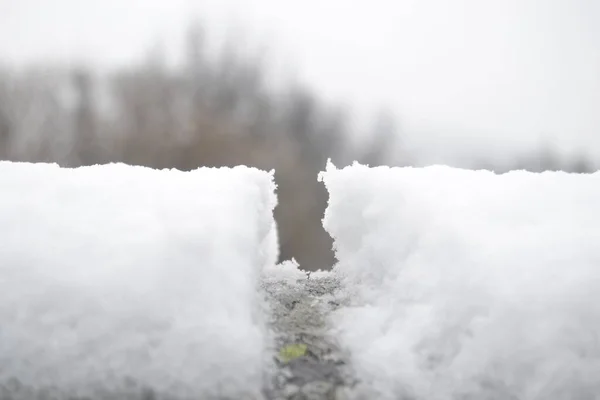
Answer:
(309, 363)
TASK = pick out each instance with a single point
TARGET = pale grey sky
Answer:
(489, 71)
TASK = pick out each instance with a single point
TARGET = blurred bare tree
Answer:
(6, 133)
(382, 140)
(86, 149)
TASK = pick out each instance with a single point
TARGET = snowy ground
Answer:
(129, 283)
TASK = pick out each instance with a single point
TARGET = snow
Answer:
(116, 278)
(286, 272)
(466, 284)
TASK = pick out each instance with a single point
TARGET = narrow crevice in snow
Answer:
(300, 304)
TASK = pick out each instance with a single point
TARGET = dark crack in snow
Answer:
(299, 310)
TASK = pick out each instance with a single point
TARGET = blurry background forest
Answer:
(218, 107)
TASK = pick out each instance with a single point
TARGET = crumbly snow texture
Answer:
(122, 281)
(467, 284)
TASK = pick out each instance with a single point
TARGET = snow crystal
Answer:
(117, 279)
(288, 272)
(467, 284)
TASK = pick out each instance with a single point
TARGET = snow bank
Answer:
(116, 278)
(469, 285)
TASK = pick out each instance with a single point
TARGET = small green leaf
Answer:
(292, 351)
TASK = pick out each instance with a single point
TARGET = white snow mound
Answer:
(117, 278)
(467, 284)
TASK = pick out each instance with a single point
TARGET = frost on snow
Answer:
(116, 278)
(466, 284)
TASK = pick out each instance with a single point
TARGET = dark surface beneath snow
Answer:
(299, 312)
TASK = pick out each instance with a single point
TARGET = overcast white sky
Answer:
(497, 71)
